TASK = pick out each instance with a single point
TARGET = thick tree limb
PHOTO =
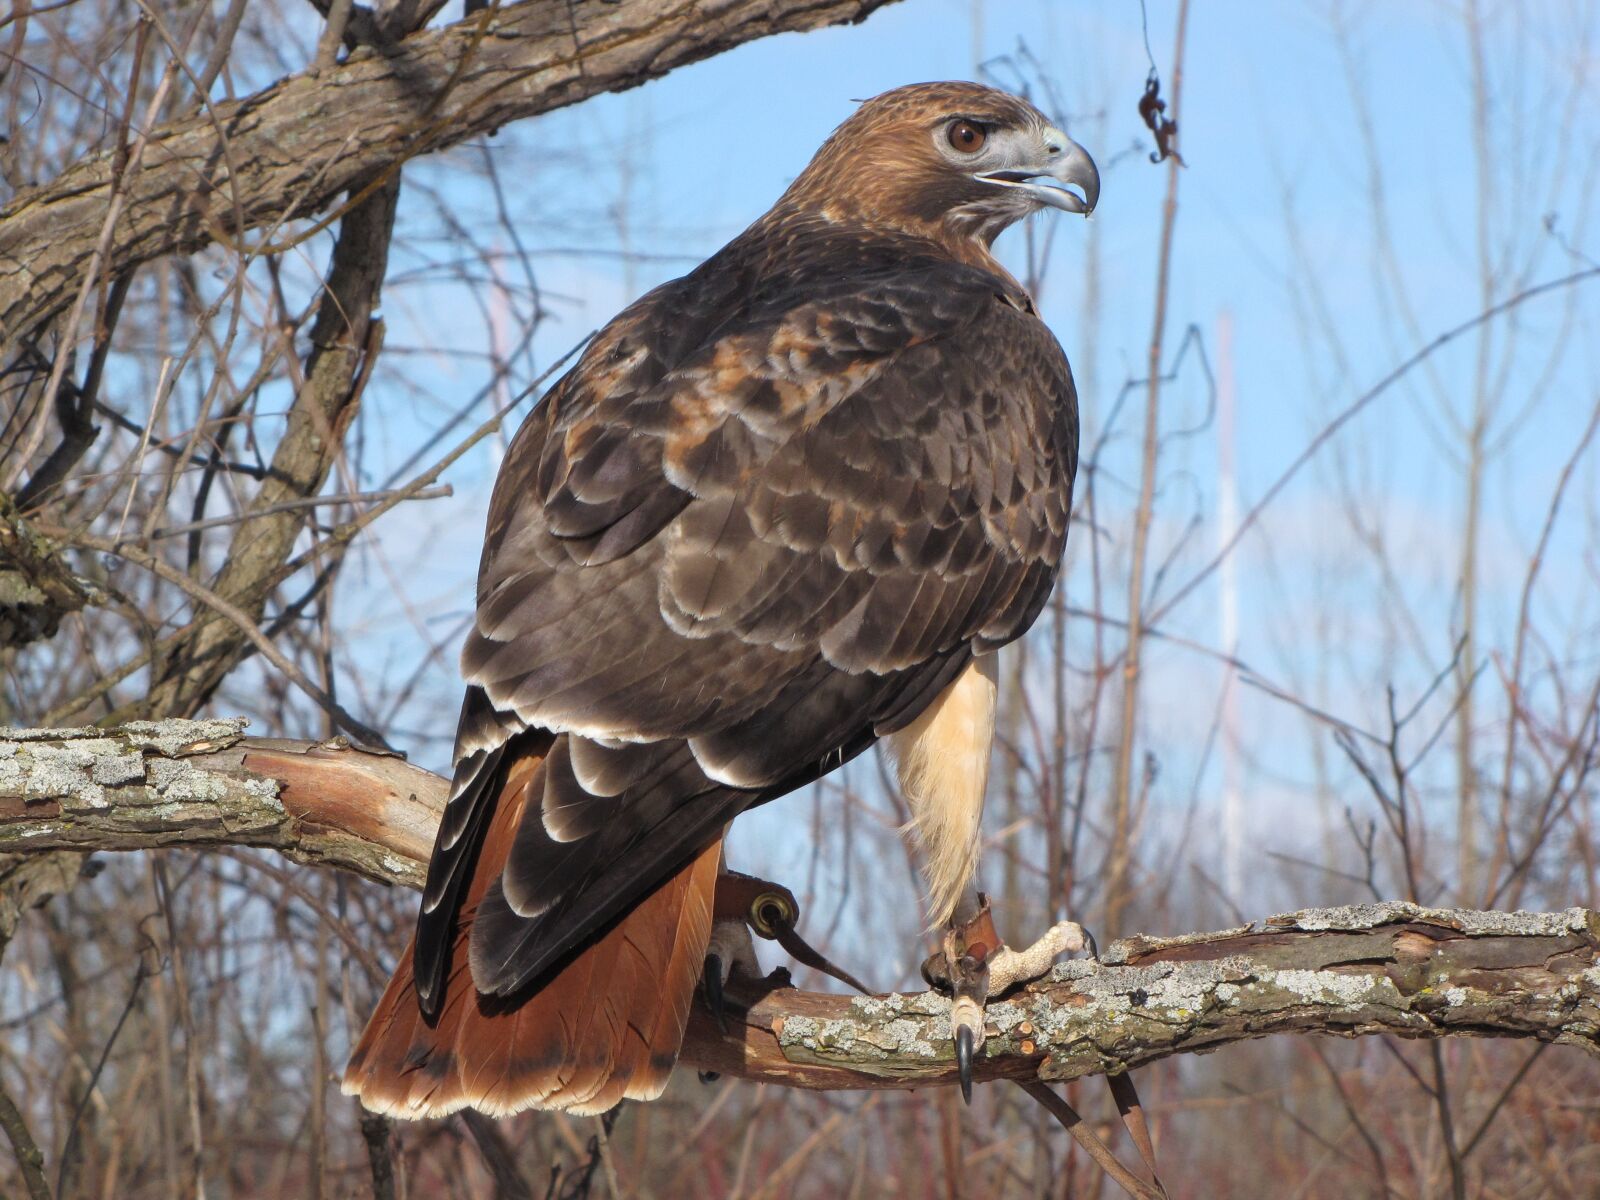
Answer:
(296, 146)
(1378, 968)
(149, 784)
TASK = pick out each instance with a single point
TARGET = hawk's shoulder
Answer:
(695, 382)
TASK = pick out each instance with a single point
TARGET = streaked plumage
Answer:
(772, 514)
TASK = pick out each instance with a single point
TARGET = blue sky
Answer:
(1276, 230)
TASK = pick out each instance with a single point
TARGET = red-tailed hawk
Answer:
(783, 507)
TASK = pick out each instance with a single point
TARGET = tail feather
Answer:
(643, 1058)
(608, 1027)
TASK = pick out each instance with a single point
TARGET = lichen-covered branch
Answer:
(1375, 968)
(149, 784)
(1378, 968)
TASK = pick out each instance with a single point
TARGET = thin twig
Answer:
(1092, 1145)
(1355, 408)
(1116, 895)
(69, 1144)
(1500, 1100)
(428, 493)
(29, 1160)
(1447, 1125)
(101, 255)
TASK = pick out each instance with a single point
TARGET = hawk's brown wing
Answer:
(763, 522)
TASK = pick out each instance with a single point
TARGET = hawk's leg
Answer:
(974, 964)
(746, 905)
(733, 915)
(730, 949)
(942, 757)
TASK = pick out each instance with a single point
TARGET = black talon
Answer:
(964, 1061)
(713, 986)
(1094, 949)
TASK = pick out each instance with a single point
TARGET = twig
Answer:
(233, 613)
(29, 1160)
(1122, 778)
(1517, 714)
(127, 167)
(1092, 1145)
(428, 493)
(773, 1185)
(1355, 408)
(142, 973)
(342, 535)
(1353, 1115)
(347, 531)
(602, 1151)
(75, 404)
(1447, 1124)
(1500, 1100)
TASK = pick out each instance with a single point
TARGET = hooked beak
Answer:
(1065, 165)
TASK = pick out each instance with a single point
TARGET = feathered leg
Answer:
(943, 760)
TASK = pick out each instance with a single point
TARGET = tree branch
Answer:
(36, 588)
(1391, 968)
(316, 135)
(149, 784)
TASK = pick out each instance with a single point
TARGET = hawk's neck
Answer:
(796, 230)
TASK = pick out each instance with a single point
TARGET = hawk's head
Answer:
(953, 158)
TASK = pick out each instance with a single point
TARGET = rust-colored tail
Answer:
(607, 1028)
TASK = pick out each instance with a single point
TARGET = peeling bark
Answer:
(1391, 968)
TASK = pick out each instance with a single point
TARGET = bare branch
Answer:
(29, 1159)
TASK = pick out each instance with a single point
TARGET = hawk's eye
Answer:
(967, 136)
